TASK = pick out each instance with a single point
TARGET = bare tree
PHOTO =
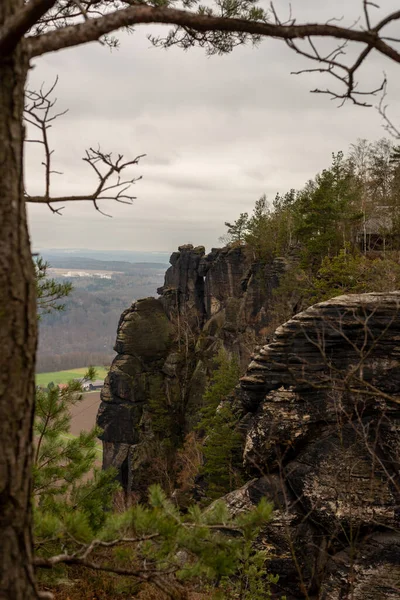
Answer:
(29, 29)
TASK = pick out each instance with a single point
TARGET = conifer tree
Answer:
(48, 290)
(237, 229)
(222, 442)
(75, 524)
(67, 486)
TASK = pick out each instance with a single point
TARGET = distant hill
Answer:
(85, 332)
(131, 256)
(82, 262)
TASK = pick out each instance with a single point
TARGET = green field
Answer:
(44, 379)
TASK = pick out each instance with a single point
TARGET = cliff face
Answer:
(144, 338)
(320, 405)
(165, 349)
(224, 294)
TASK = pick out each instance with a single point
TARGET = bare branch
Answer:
(119, 187)
(94, 28)
(220, 33)
(339, 70)
(37, 112)
(390, 127)
(111, 185)
(154, 576)
(366, 5)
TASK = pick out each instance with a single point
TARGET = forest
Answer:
(84, 333)
(342, 229)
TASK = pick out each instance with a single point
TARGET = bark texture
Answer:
(17, 334)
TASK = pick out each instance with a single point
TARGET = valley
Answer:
(84, 333)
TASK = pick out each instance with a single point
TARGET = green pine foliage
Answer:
(154, 539)
(68, 488)
(222, 383)
(326, 212)
(237, 229)
(222, 451)
(48, 291)
(352, 272)
(71, 494)
(222, 442)
(348, 272)
(341, 231)
(259, 228)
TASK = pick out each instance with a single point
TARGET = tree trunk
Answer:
(17, 335)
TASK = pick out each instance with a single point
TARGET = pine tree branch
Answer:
(218, 33)
(154, 576)
(16, 26)
(92, 29)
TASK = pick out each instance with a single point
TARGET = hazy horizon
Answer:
(218, 132)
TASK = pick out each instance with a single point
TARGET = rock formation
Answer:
(320, 405)
(144, 338)
(165, 349)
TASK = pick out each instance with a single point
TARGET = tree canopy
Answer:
(341, 230)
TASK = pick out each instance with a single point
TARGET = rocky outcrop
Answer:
(320, 409)
(143, 341)
(183, 289)
(322, 403)
(165, 349)
(223, 294)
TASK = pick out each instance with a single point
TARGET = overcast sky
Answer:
(218, 133)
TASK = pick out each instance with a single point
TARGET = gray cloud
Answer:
(218, 132)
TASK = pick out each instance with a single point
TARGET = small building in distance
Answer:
(95, 385)
(90, 386)
(377, 230)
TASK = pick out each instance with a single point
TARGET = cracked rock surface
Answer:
(322, 403)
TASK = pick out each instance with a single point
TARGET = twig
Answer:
(111, 185)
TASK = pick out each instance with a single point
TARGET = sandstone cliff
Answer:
(165, 349)
(320, 405)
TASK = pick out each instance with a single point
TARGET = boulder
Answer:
(322, 407)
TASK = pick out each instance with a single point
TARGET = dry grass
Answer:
(81, 584)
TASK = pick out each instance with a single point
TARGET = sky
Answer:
(218, 132)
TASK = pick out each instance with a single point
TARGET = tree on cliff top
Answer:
(29, 29)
